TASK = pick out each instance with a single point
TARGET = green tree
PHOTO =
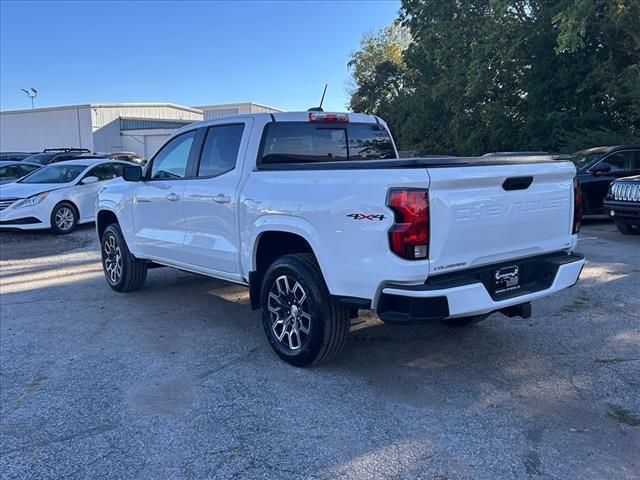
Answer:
(489, 75)
(377, 68)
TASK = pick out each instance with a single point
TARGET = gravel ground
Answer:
(178, 381)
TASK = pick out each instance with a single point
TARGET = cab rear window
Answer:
(303, 142)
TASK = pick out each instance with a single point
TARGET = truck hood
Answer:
(25, 190)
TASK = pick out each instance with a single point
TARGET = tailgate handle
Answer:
(517, 183)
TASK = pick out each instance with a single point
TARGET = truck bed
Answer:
(419, 162)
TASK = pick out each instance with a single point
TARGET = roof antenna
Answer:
(319, 107)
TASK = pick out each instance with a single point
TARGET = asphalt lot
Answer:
(178, 381)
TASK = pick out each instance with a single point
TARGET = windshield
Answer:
(59, 173)
(586, 157)
(41, 158)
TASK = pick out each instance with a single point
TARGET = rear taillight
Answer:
(321, 117)
(409, 235)
(577, 206)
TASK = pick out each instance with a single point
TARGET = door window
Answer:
(103, 172)
(220, 150)
(171, 161)
(12, 171)
(117, 169)
(619, 161)
(27, 169)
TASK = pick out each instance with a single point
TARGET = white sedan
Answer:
(58, 196)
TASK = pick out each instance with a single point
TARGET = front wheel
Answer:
(302, 324)
(124, 273)
(64, 218)
(628, 228)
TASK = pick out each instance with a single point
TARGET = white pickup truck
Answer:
(315, 213)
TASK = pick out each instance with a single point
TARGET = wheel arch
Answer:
(271, 243)
(104, 218)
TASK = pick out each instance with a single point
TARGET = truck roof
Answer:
(285, 117)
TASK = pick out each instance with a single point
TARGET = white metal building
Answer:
(137, 127)
(107, 127)
(222, 110)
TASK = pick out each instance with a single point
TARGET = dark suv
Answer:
(598, 167)
(623, 204)
(50, 155)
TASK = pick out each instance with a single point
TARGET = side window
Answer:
(26, 169)
(117, 169)
(9, 172)
(103, 172)
(220, 150)
(636, 162)
(171, 161)
(619, 161)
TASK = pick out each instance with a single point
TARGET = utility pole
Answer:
(31, 93)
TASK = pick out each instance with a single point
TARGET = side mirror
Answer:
(132, 174)
(89, 180)
(601, 168)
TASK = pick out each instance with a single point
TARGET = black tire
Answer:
(64, 218)
(627, 228)
(327, 325)
(132, 273)
(463, 321)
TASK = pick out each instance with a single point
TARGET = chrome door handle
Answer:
(173, 197)
(220, 198)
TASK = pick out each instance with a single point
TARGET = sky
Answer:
(191, 53)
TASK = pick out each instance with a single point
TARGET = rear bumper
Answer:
(468, 293)
(628, 211)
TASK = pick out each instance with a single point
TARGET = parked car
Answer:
(598, 167)
(12, 171)
(58, 196)
(50, 155)
(124, 156)
(127, 157)
(315, 213)
(14, 156)
(623, 204)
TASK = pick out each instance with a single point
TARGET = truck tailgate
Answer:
(487, 214)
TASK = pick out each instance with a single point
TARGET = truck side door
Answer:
(210, 201)
(158, 215)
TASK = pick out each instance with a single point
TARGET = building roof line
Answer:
(104, 105)
(226, 105)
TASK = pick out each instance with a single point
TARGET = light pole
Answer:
(31, 93)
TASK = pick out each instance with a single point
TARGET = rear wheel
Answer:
(463, 321)
(301, 323)
(628, 228)
(124, 273)
(64, 218)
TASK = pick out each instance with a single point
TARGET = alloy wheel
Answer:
(112, 259)
(64, 218)
(289, 309)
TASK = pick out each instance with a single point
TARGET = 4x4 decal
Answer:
(366, 216)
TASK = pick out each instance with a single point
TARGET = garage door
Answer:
(152, 143)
